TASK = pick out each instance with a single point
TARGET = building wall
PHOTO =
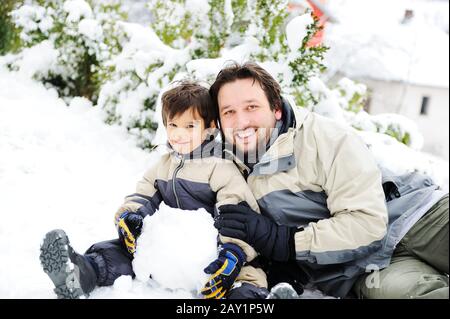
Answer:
(406, 99)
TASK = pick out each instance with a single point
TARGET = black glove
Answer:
(129, 226)
(272, 241)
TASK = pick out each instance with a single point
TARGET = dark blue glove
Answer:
(271, 240)
(129, 226)
(224, 270)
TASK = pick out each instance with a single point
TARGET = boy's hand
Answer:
(224, 271)
(129, 227)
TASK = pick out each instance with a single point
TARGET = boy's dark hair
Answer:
(248, 70)
(186, 95)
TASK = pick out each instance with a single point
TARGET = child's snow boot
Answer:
(72, 274)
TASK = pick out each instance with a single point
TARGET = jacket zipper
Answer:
(173, 181)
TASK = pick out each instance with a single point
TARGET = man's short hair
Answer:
(248, 70)
(186, 95)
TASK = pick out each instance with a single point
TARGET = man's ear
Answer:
(278, 113)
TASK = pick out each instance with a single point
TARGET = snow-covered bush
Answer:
(267, 26)
(90, 52)
(203, 25)
(9, 35)
(143, 68)
(195, 39)
(84, 35)
(355, 94)
(345, 103)
(173, 21)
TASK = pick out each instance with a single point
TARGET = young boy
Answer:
(190, 176)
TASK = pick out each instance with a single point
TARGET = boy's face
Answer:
(186, 131)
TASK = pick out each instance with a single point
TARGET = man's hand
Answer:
(273, 241)
(224, 271)
(129, 227)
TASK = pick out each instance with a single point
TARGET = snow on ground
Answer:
(60, 167)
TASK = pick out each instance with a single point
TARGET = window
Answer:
(424, 107)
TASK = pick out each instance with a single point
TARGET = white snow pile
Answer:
(174, 248)
(60, 167)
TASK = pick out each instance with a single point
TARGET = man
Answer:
(328, 213)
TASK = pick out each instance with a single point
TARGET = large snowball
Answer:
(174, 248)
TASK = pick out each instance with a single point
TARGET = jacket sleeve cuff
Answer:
(302, 240)
(249, 251)
(236, 250)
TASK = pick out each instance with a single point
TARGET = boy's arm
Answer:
(145, 201)
(231, 188)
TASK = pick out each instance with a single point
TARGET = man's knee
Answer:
(408, 278)
(430, 287)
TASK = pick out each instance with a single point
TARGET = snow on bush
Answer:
(296, 31)
(195, 39)
(87, 51)
(345, 104)
(38, 61)
(174, 248)
(84, 35)
(187, 39)
(144, 67)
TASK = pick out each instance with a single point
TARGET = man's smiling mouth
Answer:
(245, 134)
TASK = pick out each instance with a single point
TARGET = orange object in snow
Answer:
(317, 39)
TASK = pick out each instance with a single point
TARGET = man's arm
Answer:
(348, 174)
(356, 202)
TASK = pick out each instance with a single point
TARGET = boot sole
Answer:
(56, 263)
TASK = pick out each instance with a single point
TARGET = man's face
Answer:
(245, 114)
